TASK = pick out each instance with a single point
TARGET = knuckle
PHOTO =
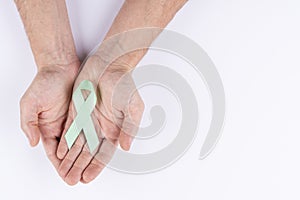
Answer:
(78, 165)
(66, 163)
(96, 162)
(85, 156)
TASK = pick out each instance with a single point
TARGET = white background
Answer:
(255, 45)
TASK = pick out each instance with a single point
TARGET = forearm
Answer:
(47, 26)
(136, 14)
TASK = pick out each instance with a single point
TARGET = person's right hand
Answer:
(116, 117)
(44, 106)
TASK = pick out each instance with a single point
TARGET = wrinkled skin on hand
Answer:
(116, 118)
(44, 107)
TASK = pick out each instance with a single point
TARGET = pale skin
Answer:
(46, 107)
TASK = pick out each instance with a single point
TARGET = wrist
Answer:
(59, 58)
(66, 68)
(124, 63)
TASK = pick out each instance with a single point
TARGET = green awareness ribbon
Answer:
(83, 121)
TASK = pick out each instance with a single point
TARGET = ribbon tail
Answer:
(91, 136)
(72, 134)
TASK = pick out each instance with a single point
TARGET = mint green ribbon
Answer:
(83, 121)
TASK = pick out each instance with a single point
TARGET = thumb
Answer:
(29, 121)
(130, 125)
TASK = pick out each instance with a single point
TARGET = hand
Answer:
(44, 107)
(116, 118)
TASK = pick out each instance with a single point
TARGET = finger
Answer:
(92, 171)
(75, 173)
(71, 156)
(50, 146)
(101, 159)
(29, 121)
(132, 118)
(111, 132)
(63, 149)
(107, 129)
